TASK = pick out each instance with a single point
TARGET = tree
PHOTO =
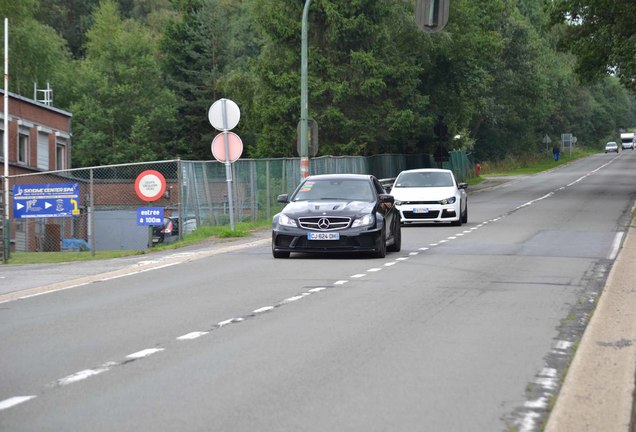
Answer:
(37, 54)
(70, 18)
(123, 111)
(365, 58)
(602, 34)
(202, 48)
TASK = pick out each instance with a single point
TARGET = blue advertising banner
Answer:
(46, 200)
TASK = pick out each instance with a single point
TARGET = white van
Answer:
(627, 141)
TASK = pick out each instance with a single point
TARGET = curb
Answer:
(598, 391)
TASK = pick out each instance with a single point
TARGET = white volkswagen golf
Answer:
(430, 195)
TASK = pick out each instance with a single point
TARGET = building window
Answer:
(2, 143)
(60, 155)
(43, 150)
(23, 146)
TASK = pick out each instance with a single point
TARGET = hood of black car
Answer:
(328, 208)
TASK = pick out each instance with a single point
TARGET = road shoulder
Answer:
(598, 391)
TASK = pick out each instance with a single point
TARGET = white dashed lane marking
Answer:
(86, 373)
(13, 401)
(192, 335)
(144, 353)
(546, 378)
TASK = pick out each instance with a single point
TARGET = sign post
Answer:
(150, 185)
(547, 141)
(224, 115)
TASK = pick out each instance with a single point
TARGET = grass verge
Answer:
(242, 229)
(532, 164)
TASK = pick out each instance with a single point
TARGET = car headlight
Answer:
(284, 220)
(397, 203)
(365, 220)
(450, 200)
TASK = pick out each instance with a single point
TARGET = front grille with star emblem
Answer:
(324, 223)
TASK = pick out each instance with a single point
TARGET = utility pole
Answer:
(5, 243)
(304, 99)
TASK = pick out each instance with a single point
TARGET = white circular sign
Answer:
(224, 114)
(150, 185)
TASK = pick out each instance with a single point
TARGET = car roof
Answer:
(340, 177)
(427, 170)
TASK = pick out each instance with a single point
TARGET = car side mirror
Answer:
(462, 185)
(283, 198)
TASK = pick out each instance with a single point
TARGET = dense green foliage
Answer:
(602, 34)
(140, 75)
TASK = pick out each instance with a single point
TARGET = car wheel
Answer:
(380, 251)
(397, 239)
(465, 215)
(458, 222)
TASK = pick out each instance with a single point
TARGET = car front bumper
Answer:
(289, 239)
(428, 213)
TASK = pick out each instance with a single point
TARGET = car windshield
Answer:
(424, 179)
(341, 189)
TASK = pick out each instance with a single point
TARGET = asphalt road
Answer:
(466, 329)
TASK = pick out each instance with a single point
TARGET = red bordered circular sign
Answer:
(150, 185)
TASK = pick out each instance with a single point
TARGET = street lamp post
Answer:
(304, 100)
(431, 16)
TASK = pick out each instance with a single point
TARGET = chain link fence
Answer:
(105, 211)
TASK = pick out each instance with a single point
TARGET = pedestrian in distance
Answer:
(555, 152)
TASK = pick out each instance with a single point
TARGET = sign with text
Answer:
(150, 185)
(148, 216)
(46, 200)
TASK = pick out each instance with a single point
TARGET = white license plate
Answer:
(420, 210)
(323, 236)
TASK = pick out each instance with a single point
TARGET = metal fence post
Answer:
(267, 190)
(182, 221)
(90, 221)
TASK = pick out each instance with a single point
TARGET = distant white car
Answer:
(430, 195)
(611, 147)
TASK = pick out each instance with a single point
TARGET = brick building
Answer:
(39, 141)
(39, 136)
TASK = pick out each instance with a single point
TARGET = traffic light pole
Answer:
(304, 99)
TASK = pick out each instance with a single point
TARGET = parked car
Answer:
(169, 230)
(337, 213)
(430, 195)
(611, 147)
